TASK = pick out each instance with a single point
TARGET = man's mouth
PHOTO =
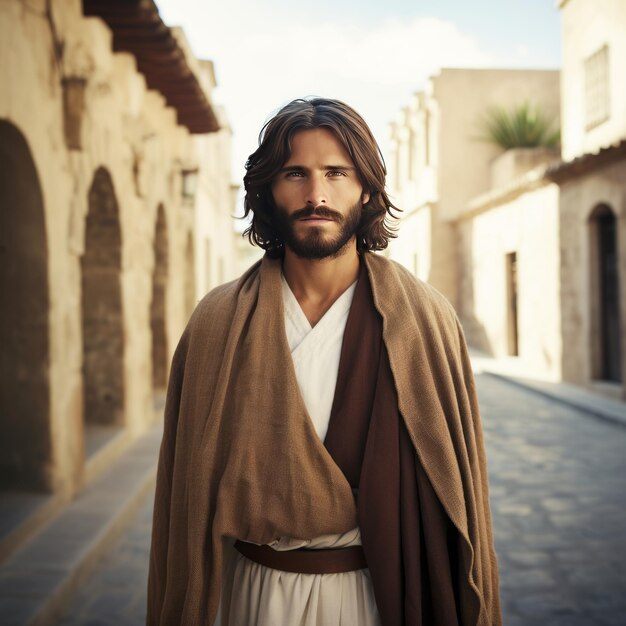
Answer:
(319, 215)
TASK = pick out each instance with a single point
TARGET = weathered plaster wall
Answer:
(215, 247)
(129, 131)
(586, 26)
(528, 226)
(412, 247)
(579, 197)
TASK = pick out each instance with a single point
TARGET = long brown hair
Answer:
(375, 228)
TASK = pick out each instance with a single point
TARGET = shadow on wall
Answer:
(476, 335)
(475, 332)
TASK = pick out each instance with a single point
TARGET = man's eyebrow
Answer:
(301, 168)
(338, 167)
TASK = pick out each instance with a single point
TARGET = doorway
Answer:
(605, 309)
(511, 304)
(102, 320)
(25, 441)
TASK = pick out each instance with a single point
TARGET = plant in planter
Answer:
(523, 126)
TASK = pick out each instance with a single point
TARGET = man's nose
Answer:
(316, 191)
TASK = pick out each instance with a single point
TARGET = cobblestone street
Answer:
(558, 488)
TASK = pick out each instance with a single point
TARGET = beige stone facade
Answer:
(99, 268)
(533, 252)
(593, 38)
(509, 272)
(216, 257)
(592, 202)
(438, 164)
(593, 276)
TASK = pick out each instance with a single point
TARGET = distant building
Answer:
(592, 194)
(438, 164)
(105, 120)
(528, 244)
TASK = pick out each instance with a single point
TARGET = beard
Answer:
(315, 243)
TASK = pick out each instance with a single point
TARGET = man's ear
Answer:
(365, 197)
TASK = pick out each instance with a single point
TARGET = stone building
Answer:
(438, 164)
(592, 195)
(533, 254)
(105, 122)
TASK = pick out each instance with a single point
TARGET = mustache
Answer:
(320, 211)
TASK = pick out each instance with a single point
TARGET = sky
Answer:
(372, 55)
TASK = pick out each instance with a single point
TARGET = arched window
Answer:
(604, 290)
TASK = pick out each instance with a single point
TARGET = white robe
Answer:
(253, 594)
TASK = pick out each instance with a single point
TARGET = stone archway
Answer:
(103, 329)
(604, 289)
(25, 444)
(190, 275)
(157, 306)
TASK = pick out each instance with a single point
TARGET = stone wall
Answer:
(586, 27)
(515, 162)
(526, 226)
(215, 252)
(107, 156)
(579, 198)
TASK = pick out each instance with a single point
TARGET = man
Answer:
(321, 414)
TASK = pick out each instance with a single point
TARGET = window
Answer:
(597, 109)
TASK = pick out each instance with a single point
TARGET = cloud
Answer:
(375, 69)
(264, 58)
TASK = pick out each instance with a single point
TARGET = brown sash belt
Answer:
(305, 560)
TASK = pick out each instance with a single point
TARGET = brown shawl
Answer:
(236, 463)
(410, 543)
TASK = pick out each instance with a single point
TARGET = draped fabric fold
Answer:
(409, 541)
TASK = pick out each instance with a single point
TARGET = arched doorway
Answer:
(157, 306)
(103, 331)
(605, 310)
(24, 349)
(190, 275)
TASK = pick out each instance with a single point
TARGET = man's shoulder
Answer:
(220, 301)
(420, 293)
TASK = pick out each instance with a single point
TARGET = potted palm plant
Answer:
(526, 136)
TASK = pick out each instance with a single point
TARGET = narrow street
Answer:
(558, 487)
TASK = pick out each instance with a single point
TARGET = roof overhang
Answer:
(161, 57)
(586, 163)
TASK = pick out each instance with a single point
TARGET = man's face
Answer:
(318, 196)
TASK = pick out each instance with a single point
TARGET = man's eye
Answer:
(336, 173)
(294, 174)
